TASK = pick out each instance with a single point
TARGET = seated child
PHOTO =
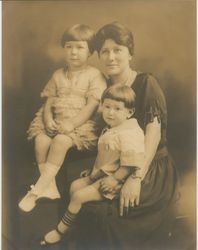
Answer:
(73, 94)
(120, 154)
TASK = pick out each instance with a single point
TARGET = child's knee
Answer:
(77, 197)
(41, 139)
(62, 140)
(73, 187)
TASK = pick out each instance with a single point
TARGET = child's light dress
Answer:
(117, 147)
(69, 98)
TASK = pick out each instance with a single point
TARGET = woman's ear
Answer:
(131, 112)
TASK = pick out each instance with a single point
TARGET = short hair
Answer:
(79, 32)
(117, 32)
(120, 93)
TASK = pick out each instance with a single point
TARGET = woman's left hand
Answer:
(129, 195)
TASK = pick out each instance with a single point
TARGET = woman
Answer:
(144, 200)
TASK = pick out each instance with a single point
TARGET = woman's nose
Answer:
(111, 55)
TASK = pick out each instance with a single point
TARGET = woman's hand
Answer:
(130, 194)
(108, 184)
(85, 173)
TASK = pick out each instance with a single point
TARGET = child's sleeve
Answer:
(49, 89)
(97, 85)
(132, 148)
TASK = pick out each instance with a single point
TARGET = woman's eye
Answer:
(117, 50)
(107, 107)
(117, 109)
(68, 46)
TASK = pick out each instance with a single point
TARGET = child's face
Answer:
(76, 54)
(114, 112)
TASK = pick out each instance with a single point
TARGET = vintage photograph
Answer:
(99, 125)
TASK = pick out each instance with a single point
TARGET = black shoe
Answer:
(44, 243)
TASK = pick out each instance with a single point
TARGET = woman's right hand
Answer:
(129, 195)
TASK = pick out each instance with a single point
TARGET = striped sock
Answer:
(68, 218)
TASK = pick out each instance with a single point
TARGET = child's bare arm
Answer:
(85, 113)
(47, 115)
(122, 173)
(109, 183)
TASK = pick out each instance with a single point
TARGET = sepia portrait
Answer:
(99, 125)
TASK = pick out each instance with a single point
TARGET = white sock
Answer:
(41, 167)
(46, 177)
(51, 190)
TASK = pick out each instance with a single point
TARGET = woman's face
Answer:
(114, 57)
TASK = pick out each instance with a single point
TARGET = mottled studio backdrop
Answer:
(164, 33)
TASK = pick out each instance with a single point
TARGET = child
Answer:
(120, 151)
(73, 94)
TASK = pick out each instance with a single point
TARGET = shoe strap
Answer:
(59, 232)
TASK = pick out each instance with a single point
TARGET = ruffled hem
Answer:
(85, 136)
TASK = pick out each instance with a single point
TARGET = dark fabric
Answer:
(158, 189)
(150, 102)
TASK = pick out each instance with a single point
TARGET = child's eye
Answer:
(117, 109)
(107, 106)
(80, 47)
(68, 46)
(104, 51)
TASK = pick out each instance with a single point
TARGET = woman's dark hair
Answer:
(117, 32)
(120, 93)
(79, 32)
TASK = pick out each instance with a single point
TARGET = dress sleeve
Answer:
(132, 148)
(154, 103)
(49, 89)
(97, 86)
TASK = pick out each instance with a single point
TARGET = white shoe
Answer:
(51, 192)
(29, 201)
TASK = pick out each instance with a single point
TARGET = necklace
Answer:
(128, 81)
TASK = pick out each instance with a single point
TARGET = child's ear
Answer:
(131, 112)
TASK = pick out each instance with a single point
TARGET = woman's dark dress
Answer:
(158, 189)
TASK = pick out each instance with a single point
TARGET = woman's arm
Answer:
(85, 113)
(130, 193)
(152, 139)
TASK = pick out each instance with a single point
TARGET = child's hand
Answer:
(66, 127)
(85, 173)
(50, 126)
(108, 184)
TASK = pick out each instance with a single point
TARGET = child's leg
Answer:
(58, 149)
(89, 193)
(79, 184)
(41, 147)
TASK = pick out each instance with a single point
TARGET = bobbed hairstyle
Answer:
(120, 93)
(79, 32)
(118, 33)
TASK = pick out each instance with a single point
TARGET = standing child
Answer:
(73, 94)
(120, 154)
